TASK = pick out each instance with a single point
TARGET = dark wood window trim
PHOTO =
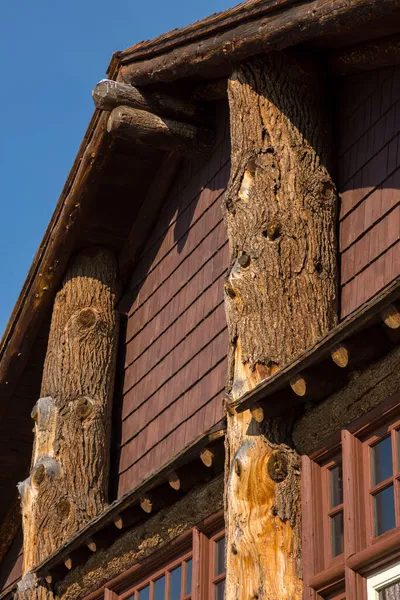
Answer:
(364, 551)
(196, 544)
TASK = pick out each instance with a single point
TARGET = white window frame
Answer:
(376, 583)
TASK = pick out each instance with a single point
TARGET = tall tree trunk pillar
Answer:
(280, 213)
(68, 483)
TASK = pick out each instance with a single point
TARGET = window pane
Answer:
(392, 592)
(382, 461)
(220, 590)
(384, 511)
(159, 589)
(336, 486)
(220, 557)
(175, 584)
(337, 534)
(144, 593)
(188, 589)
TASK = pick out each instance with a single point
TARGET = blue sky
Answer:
(53, 53)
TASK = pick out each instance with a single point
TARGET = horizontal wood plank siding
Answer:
(11, 567)
(369, 183)
(176, 337)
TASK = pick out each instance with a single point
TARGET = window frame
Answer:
(195, 543)
(364, 552)
(377, 582)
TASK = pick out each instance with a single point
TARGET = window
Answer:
(385, 585)
(351, 511)
(171, 583)
(217, 567)
(196, 561)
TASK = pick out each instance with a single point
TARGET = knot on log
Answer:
(83, 407)
(229, 291)
(273, 231)
(277, 466)
(42, 411)
(45, 467)
(63, 509)
(22, 486)
(244, 260)
(87, 318)
(238, 467)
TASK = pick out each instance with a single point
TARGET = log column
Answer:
(280, 213)
(68, 483)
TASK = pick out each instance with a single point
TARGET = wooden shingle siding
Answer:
(11, 567)
(176, 337)
(369, 184)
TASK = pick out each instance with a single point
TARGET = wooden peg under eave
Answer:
(68, 563)
(91, 544)
(146, 504)
(340, 355)
(299, 385)
(174, 481)
(391, 316)
(257, 412)
(207, 457)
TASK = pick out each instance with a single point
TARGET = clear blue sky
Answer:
(53, 52)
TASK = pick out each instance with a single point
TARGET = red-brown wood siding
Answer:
(369, 184)
(11, 567)
(176, 338)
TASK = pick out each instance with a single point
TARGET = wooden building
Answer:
(206, 345)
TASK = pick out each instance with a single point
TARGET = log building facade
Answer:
(206, 345)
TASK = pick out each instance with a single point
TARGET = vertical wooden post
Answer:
(68, 483)
(280, 213)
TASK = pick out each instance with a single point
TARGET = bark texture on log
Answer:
(146, 128)
(68, 483)
(109, 94)
(280, 213)
(263, 518)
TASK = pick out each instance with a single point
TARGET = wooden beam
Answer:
(212, 91)
(70, 463)
(109, 94)
(144, 127)
(148, 215)
(257, 296)
(365, 57)
(216, 55)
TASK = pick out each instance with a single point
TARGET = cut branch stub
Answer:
(83, 407)
(144, 127)
(280, 206)
(107, 95)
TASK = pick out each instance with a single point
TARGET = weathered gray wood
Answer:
(108, 94)
(144, 127)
